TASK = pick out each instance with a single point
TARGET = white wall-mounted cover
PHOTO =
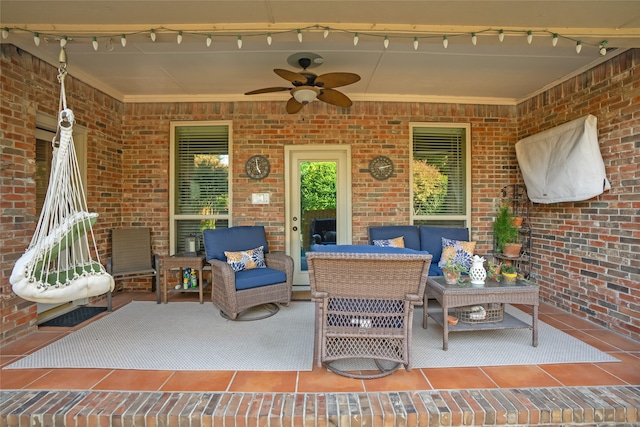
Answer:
(563, 164)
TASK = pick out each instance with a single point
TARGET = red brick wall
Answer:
(129, 163)
(27, 86)
(587, 254)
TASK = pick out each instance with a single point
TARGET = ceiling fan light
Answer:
(305, 94)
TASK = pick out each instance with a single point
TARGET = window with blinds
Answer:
(441, 183)
(200, 180)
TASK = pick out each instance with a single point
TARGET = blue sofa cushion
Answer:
(247, 279)
(431, 241)
(364, 249)
(409, 232)
(233, 239)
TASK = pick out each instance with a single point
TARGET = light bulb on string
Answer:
(5, 32)
(269, 39)
(355, 39)
(94, 43)
(209, 40)
(445, 42)
(474, 39)
(554, 41)
(501, 35)
(239, 42)
(415, 43)
(386, 42)
(123, 40)
(603, 48)
(299, 35)
(529, 36)
(578, 46)
(36, 38)
(63, 41)
(153, 35)
(179, 38)
(325, 34)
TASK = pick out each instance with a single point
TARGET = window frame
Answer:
(173, 217)
(465, 218)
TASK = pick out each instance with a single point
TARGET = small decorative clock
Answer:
(257, 167)
(381, 167)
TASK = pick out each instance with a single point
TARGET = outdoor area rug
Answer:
(193, 336)
(74, 317)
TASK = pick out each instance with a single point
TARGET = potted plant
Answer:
(509, 272)
(452, 271)
(506, 233)
(493, 270)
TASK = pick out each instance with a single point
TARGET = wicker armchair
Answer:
(364, 305)
(237, 291)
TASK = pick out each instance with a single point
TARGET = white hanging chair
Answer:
(58, 266)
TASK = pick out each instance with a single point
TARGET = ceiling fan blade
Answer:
(267, 90)
(293, 77)
(334, 97)
(293, 106)
(331, 80)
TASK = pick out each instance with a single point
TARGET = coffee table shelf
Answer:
(507, 322)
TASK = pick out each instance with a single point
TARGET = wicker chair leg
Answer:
(270, 308)
(383, 372)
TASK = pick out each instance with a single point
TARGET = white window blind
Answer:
(444, 150)
(201, 180)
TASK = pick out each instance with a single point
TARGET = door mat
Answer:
(74, 317)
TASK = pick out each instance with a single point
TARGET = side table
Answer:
(180, 262)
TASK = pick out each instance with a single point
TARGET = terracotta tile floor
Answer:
(627, 372)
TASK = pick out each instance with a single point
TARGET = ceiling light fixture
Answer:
(355, 39)
(529, 36)
(415, 43)
(305, 94)
(94, 43)
(123, 40)
(501, 35)
(578, 46)
(179, 38)
(152, 34)
(209, 40)
(474, 39)
(445, 42)
(36, 38)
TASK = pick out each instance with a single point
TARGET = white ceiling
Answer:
(489, 72)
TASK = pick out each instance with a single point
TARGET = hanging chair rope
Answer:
(62, 262)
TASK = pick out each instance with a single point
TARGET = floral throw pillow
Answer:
(459, 251)
(397, 242)
(246, 260)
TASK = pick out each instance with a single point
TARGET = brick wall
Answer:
(129, 164)
(587, 254)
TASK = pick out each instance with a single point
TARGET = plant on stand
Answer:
(506, 233)
(493, 270)
(452, 271)
(509, 272)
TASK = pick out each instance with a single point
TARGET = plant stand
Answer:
(516, 196)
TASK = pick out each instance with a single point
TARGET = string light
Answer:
(5, 33)
(239, 42)
(529, 36)
(269, 39)
(325, 34)
(209, 40)
(501, 35)
(299, 35)
(554, 41)
(355, 39)
(36, 38)
(94, 43)
(123, 40)
(445, 42)
(152, 34)
(474, 39)
(179, 38)
(415, 43)
(386, 42)
(603, 48)
(578, 46)
(63, 41)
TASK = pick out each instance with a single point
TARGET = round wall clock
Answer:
(381, 167)
(257, 167)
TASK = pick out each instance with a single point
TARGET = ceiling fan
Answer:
(308, 86)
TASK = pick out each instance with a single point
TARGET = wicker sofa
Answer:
(365, 298)
(421, 238)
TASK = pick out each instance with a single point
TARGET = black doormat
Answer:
(74, 317)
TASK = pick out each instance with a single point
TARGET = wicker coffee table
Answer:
(492, 296)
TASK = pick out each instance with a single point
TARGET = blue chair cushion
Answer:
(248, 279)
(409, 232)
(431, 241)
(364, 249)
(233, 239)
